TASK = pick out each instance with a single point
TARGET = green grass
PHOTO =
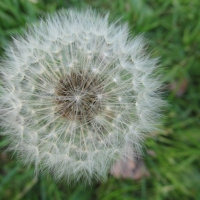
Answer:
(172, 27)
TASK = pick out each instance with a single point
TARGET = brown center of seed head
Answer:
(78, 96)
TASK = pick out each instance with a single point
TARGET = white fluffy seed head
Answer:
(77, 93)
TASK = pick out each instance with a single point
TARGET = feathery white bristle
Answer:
(77, 94)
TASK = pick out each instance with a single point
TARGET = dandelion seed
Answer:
(78, 93)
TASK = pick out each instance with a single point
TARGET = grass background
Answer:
(173, 29)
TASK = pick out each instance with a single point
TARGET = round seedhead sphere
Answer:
(77, 94)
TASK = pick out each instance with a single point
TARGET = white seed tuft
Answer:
(77, 94)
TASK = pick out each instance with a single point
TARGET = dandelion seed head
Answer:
(78, 93)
